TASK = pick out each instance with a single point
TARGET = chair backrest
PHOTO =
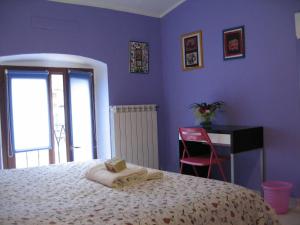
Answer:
(194, 134)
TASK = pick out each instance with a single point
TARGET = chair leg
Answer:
(209, 171)
(195, 171)
(181, 167)
(222, 171)
(210, 164)
(218, 164)
(220, 168)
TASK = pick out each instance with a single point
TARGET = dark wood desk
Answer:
(239, 139)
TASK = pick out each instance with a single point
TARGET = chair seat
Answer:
(201, 160)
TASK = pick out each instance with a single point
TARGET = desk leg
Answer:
(232, 168)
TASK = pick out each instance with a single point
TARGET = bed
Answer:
(60, 194)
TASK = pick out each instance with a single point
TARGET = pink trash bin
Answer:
(277, 194)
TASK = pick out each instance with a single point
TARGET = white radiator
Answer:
(134, 134)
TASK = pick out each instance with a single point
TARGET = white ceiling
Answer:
(153, 8)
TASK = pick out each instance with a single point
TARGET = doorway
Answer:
(58, 60)
(49, 116)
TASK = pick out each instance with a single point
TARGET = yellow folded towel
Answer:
(115, 165)
(129, 176)
(154, 174)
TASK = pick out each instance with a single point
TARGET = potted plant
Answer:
(205, 113)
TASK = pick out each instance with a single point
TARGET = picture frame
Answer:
(234, 43)
(138, 57)
(192, 51)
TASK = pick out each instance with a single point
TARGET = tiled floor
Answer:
(291, 218)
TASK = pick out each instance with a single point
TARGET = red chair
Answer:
(199, 135)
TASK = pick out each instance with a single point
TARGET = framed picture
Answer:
(139, 57)
(234, 43)
(192, 52)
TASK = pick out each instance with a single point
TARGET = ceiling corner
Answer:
(171, 8)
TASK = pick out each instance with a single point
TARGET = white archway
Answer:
(101, 87)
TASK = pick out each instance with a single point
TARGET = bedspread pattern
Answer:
(61, 195)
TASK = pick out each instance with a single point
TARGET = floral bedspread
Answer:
(60, 194)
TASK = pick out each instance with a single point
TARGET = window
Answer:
(48, 116)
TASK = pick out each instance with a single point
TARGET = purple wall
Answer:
(35, 26)
(261, 89)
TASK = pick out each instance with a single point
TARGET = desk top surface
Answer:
(228, 129)
(240, 138)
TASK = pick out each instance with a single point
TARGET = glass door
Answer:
(48, 117)
(58, 111)
(82, 125)
(29, 120)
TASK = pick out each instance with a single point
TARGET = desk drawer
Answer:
(221, 139)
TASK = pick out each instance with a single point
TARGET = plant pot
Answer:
(206, 124)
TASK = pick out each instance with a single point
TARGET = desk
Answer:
(239, 139)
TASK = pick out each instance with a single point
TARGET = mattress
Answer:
(60, 194)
